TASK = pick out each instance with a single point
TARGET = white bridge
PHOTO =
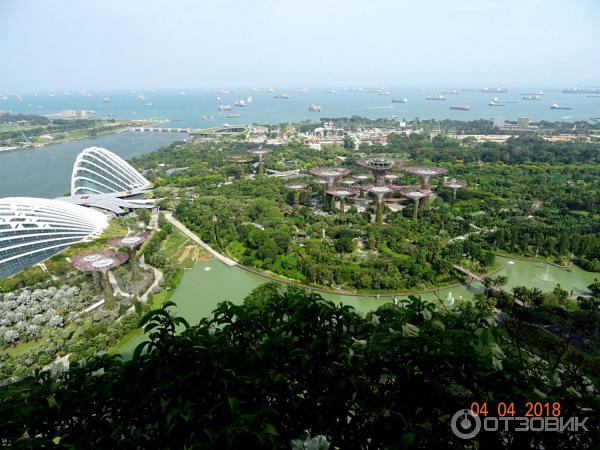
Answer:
(160, 130)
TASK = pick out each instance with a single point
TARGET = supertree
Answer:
(260, 153)
(361, 178)
(296, 187)
(342, 194)
(416, 195)
(425, 174)
(380, 192)
(241, 161)
(379, 167)
(131, 242)
(102, 263)
(455, 186)
(329, 175)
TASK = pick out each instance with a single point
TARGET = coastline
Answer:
(79, 135)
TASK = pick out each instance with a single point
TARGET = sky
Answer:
(124, 44)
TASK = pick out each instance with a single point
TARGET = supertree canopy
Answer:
(260, 153)
(342, 194)
(329, 174)
(379, 167)
(416, 194)
(380, 192)
(296, 187)
(101, 263)
(132, 242)
(455, 186)
(425, 173)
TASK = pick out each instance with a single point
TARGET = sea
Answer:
(186, 107)
(45, 172)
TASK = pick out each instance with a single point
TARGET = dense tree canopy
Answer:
(287, 364)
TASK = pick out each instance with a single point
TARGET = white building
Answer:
(99, 171)
(33, 229)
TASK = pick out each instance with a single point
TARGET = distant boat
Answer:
(314, 108)
(577, 90)
(222, 107)
(400, 100)
(383, 93)
(270, 90)
(241, 103)
(233, 115)
(452, 92)
(106, 99)
(141, 97)
(593, 95)
(496, 89)
(149, 104)
(557, 106)
(495, 103)
(435, 97)
(207, 117)
(284, 95)
(332, 91)
(532, 97)
(460, 107)
(248, 100)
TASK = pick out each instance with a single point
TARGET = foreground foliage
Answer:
(288, 365)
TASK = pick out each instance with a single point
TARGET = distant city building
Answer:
(33, 229)
(99, 171)
(225, 130)
(499, 122)
(74, 114)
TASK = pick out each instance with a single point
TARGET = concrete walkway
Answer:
(158, 278)
(181, 227)
(115, 286)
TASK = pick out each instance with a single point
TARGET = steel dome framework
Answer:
(33, 229)
(99, 171)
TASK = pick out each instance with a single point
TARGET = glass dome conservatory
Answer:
(99, 171)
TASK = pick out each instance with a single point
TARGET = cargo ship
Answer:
(233, 115)
(400, 100)
(435, 97)
(284, 95)
(495, 89)
(460, 107)
(557, 106)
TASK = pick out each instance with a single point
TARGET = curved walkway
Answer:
(231, 263)
(190, 234)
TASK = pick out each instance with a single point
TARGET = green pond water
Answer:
(211, 282)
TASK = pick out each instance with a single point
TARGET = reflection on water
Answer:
(211, 282)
